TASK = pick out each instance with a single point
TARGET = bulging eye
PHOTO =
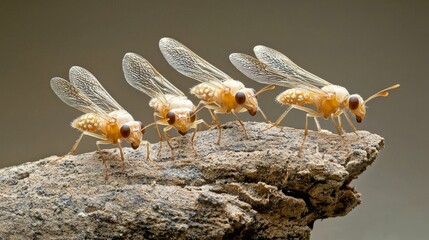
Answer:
(125, 131)
(171, 117)
(192, 116)
(141, 126)
(240, 97)
(353, 103)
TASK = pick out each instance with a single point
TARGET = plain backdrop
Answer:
(364, 46)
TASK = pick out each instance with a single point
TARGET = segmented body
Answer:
(335, 97)
(109, 127)
(223, 97)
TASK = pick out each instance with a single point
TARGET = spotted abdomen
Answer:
(294, 96)
(205, 92)
(88, 122)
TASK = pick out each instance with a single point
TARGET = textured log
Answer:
(245, 188)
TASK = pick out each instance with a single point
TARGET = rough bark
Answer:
(257, 188)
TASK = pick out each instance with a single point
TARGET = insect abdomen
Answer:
(205, 92)
(294, 96)
(88, 122)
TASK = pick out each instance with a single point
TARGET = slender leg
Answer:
(351, 123)
(241, 123)
(168, 137)
(159, 135)
(264, 116)
(98, 143)
(219, 127)
(196, 125)
(338, 131)
(74, 148)
(122, 157)
(305, 133)
(340, 123)
(280, 118)
(148, 158)
(319, 129)
(310, 113)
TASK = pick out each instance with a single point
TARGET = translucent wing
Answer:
(283, 64)
(83, 80)
(190, 64)
(74, 98)
(261, 72)
(140, 74)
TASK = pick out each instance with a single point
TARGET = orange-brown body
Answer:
(335, 97)
(181, 106)
(110, 128)
(225, 98)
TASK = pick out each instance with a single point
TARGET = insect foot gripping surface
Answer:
(256, 188)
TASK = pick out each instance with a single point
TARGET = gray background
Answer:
(363, 46)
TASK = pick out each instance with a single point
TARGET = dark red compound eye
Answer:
(353, 103)
(240, 97)
(171, 117)
(125, 131)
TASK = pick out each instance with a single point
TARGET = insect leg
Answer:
(305, 133)
(98, 143)
(339, 133)
(280, 118)
(74, 148)
(310, 113)
(263, 115)
(147, 143)
(351, 123)
(216, 120)
(122, 157)
(316, 120)
(241, 123)
(168, 137)
(159, 134)
(340, 123)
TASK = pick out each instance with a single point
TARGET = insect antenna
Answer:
(266, 88)
(382, 93)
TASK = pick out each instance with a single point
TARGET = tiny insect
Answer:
(172, 108)
(104, 118)
(218, 92)
(331, 101)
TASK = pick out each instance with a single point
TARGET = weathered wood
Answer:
(244, 188)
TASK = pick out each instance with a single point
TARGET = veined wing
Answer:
(83, 80)
(74, 98)
(283, 64)
(262, 73)
(140, 74)
(190, 64)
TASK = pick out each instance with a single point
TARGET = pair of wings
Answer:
(273, 67)
(84, 92)
(190, 64)
(140, 74)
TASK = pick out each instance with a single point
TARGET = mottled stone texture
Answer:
(256, 188)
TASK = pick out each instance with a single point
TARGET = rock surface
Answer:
(257, 188)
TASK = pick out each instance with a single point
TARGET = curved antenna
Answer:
(382, 93)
